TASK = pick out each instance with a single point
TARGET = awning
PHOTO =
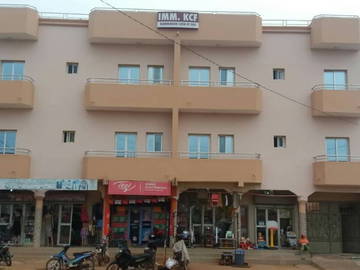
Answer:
(144, 188)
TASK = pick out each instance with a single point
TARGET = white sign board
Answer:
(174, 19)
(48, 184)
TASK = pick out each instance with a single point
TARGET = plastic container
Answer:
(239, 257)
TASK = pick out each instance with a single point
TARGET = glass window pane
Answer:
(129, 74)
(18, 70)
(329, 80)
(222, 144)
(135, 74)
(155, 74)
(342, 149)
(193, 146)
(131, 145)
(2, 142)
(10, 142)
(158, 142)
(229, 144)
(331, 149)
(199, 76)
(340, 80)
(7, 70)
(150, 142)
(120, 144)
(204, 146)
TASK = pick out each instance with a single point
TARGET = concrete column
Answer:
(252, 223)
(39, 203)
(175, 132)
(302, 216)
(177, 61)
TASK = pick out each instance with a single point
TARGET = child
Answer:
(261, 241)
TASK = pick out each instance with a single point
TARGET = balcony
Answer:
(336, 100)
(212, 97)
(216, 28)
(18, 22)
(15, 163)
(16, 92)
(113, 95)
(344, 172)
(232, 168)
(335, 32)
(218, 167)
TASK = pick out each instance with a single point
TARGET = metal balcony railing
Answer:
(63, 16)
(337, 158)
(219, 84)
(14, 151)
(206, 155)
(288, 23)
(129, 81)
(335, 16)
(351, 87)
(128, 154)
(16, 78)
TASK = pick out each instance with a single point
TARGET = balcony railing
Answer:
(206, 155)
(16, 78)
(128, 154)
(219, 84)
(64, 16)
(288, 23)
(337, 158)
(14, 151)
(335, 16)
(16, 6)
(353, 87)
(129, 81)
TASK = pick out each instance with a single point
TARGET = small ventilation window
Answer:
(279, 141)
(68, 136)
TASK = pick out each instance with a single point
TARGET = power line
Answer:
(218, 65)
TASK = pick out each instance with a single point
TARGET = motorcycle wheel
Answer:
(106, 259)
(8, 260)
(53, 264)
(90, 264)
(113, 266)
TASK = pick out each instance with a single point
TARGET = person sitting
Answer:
(304, 244)
(261, 243)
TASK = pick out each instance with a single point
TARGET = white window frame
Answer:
(129, 80)
(13, 76)
(227, 82)
(67, 136)
(337, 157)
(199, 82)
(333, 85)
(127, 153)
(152, 80)
(233, 143)
(281, 78)
(72, 66)
(278, 138)
(3, 148)
(161, 145)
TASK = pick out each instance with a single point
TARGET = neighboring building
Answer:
(175, 141)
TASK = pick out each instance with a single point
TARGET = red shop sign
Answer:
(139, 188)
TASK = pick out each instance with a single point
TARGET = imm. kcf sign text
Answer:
(169, 19)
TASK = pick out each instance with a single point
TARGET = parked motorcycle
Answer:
(81, 261)
(101, 255)
(5, 255)
(181, 258)
(125, 260)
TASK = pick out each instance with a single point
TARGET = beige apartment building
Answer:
(127, 128)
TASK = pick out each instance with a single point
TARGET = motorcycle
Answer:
(5, 255)
(81, 261)
(124, 259)
(181, 258)
(101, 255)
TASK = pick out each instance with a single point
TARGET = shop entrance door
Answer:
(202, 225)
(272, 224)
(140, 224)
(65, 224)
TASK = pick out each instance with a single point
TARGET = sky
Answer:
(268, 9)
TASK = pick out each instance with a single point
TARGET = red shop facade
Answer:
(135, 209)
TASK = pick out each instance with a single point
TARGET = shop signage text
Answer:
(48, 184)
(169, 19)
(139, 188)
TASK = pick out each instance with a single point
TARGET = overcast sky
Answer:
(268, 9)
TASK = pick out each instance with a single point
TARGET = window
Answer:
(227, 76)
(7, 141)
(68, 136)
(12, 70)
(199, 146)
(129, 74)
(154, 142)
(279, 74)
(125, 144)
(199, 76)
(279, 141)
(335, 79)
(155, 74)
(226, 144)
(337, 149)
(72, 68)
